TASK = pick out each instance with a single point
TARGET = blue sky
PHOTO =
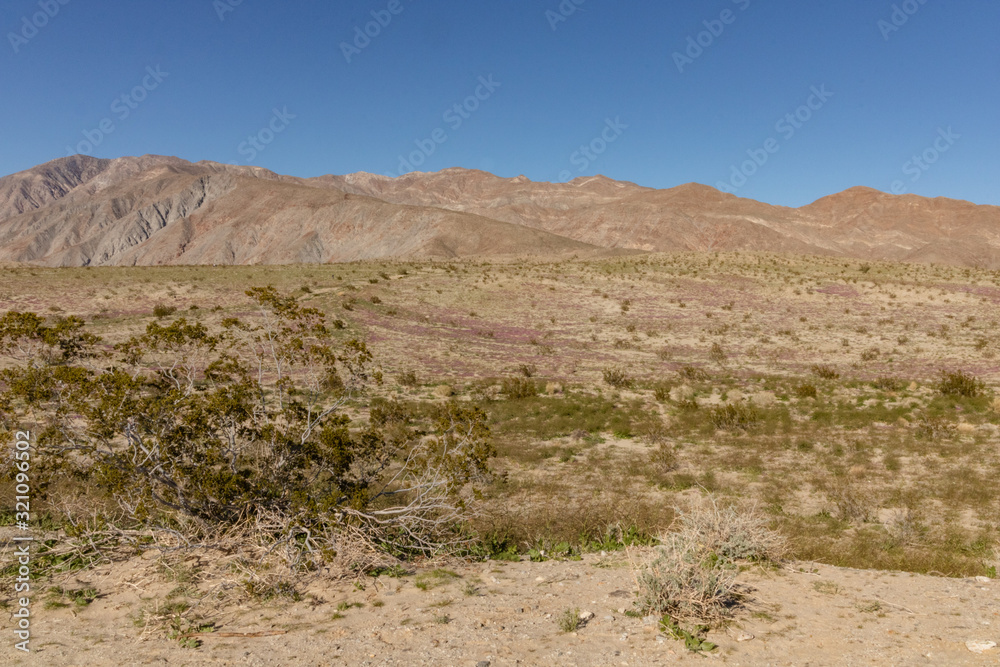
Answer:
(782, 101)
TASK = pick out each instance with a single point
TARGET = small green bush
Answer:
(824, 372)
(960, 384)
(516, 388)
(806, 390)
(569, 620)
(735, 417)
(163, 310)
(888, 384)
(617, 377)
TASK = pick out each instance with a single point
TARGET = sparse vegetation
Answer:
(858, 459)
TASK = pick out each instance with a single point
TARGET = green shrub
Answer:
(805, 390)
(661, 392)
(408, 379)
(161, 310)
(888, 384)
(960, 384)
(515, 388)
(617, 377)
(735, 416)
(202, 432)
(569, 620)
(824, 372)
(693, 373)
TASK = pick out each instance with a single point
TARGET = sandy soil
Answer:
(507, 614)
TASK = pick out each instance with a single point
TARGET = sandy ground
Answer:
(507, 614)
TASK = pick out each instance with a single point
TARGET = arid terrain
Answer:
(505, 613)
(156, 210)
(619, 390)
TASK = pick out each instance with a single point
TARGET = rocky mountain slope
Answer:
(163, 210)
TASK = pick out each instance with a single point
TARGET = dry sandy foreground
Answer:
(507, 614)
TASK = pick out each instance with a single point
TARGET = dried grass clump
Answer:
(855, 502)
(733, 532)
(687, 581)
(692, 576)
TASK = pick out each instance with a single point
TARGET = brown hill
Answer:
(860, 222)
(157, 210)
(164, 210)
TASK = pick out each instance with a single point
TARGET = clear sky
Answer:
(783, 101)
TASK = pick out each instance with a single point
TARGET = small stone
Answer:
(539, 578)
(980, 646)
(744, 637)
(586, 615)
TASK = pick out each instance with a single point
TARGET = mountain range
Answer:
(155, 210)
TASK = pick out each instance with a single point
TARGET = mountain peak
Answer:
(156, 209)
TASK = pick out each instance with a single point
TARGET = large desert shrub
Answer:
(198, 430)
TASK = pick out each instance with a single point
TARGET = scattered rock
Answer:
(980, 646)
